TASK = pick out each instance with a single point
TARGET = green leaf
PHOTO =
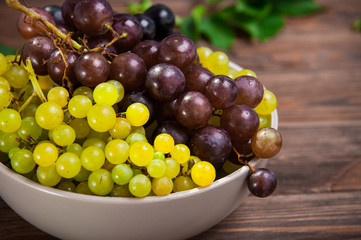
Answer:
(219, 33)
(264, 29)
(296, 7)
(7, 50)
(135, 8)
(259, 8)
(191, 25)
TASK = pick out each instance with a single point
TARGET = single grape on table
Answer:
(132, 110)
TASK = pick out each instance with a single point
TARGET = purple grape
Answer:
(240, 121)
(92, 16)
(55, 11)
(211, 144)
(197, 77)
(56, 67)
(173, 128)
(130, 70)
(178, 50)
(163, 18)
(165, 82)
(250, 91)
(148, 51)
(28, 28)
(148, 26)
(91, 68)
(128, 24)
(242, 147)
(193, 110)
(221, 91)
(166, 111)
(39, 50)
(141, 97)
(262, 182)
(67, 11)
(101, 41)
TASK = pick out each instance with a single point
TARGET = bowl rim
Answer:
(125, 200)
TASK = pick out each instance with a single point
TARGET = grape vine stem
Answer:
(34, 80)
(253, 170)
(15, 4)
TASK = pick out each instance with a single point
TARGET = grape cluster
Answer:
(108, 103)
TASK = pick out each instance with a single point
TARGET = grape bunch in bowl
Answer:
(111, 121)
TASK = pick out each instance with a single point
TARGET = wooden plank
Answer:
(300, 216)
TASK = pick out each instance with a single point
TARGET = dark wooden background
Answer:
(314, 68)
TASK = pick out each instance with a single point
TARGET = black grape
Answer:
(221, 91)
(262, 182)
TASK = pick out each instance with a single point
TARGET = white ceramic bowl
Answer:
(73, 216)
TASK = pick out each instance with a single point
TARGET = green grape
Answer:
(173, 168)
(180, 153)
(183, 183)
(203, 173)
(83, 175)
(117, 151)
(83, 188)
(8, 141)
(101, 135)
(203, 54)
(108, 165)
(45, 154)
(156, 168)
(137, 114)
(63, 135)
(122, 173)
(229, 167)
(3, 64)
(231, 73)
(79, 106)
(120, 89)
(97, 142)
(266, 143)
(100, 182)
(217, 63)
(66, 185)
(245, 72)
(68, 165)
(120, 191)
(140, 185)
(48, 176)
(121, 129)
(49, 115)
(101, 117)
(264, 121)
(29, 128)
(135, 137)
(83, 90)
(164, 143)
(158, 155)
(10, 120)
(268, 103)
(141, 153)
(29, 110)
(162, 186)
(12, 151)
(22, 161)
(27, 92)
(75, 148)
(4, 83)
(81, 127)
(17, 76)
(139, 129)
(45, 82)
(105, 93)
(5, 97)
(136, 170)
(67, 117)
(58, 95)
(92, 158)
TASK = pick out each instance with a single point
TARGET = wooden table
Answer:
(314, 68)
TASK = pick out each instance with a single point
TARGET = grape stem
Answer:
(15, 4)
(253, 170)
(34, 80)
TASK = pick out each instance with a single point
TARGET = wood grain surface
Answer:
(314, 68)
